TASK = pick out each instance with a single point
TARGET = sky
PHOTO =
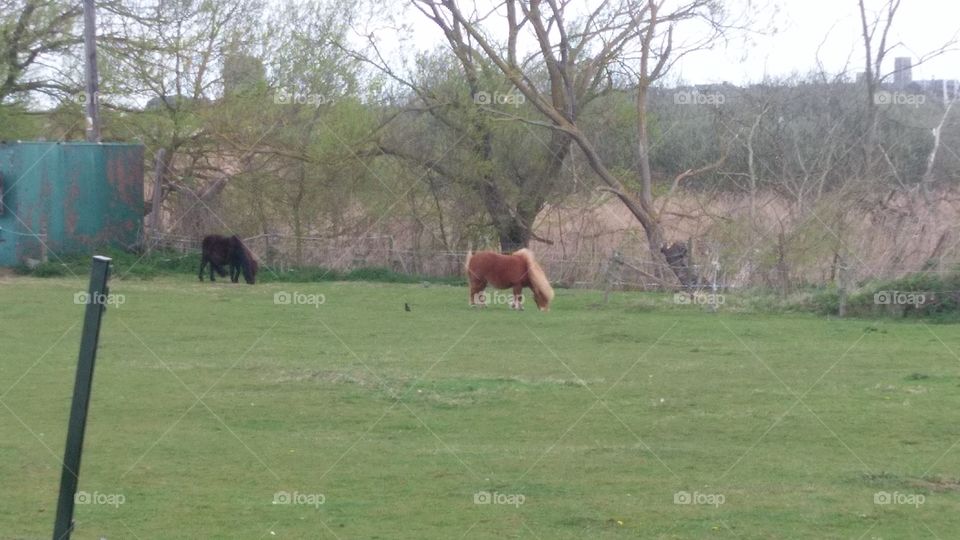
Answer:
(921, 26)
(795, 33)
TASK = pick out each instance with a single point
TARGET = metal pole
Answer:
(90, 65)
(70, 476)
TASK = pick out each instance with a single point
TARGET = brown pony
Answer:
(514, 271)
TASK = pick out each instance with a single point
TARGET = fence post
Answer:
(612, 267)
(842, 287)
(70, 475)
(156, 220)
(714, 285)
(42, 237)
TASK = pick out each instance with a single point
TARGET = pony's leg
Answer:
(476, 289)
(517, 295)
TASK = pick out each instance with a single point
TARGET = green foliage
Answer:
(17, 124)
(937, 298)
(32, 32)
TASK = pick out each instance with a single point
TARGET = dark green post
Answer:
(70, 476)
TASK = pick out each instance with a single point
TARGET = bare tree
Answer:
(576, 52)
(872, 70)
(875, 33)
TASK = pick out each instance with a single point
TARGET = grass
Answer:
(210, 399)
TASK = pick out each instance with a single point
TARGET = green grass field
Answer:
(217, 413)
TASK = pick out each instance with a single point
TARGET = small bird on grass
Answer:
(406, 306)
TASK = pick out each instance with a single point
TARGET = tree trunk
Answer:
(513, 237)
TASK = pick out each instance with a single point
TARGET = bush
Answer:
(922, 295)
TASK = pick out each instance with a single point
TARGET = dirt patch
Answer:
(937, 484)
(328, 376)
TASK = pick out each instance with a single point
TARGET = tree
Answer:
(33, 32)
(578, 52)
(172, 55)
(466, 97)
(875, 32)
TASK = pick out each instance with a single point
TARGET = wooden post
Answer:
(156, 220)
(842, 287)
(612, 269)
(70, 475)
(90, 71)
(714, 282)
(42, 237)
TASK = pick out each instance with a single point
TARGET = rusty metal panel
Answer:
(69, 198)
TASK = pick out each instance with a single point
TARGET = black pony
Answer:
(223, 250)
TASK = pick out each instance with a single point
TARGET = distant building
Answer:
(902, 71)
(942, 89)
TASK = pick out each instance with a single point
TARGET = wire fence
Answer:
(610, 270)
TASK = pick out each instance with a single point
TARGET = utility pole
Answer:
(90, 65)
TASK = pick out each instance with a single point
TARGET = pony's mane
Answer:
(537, 277)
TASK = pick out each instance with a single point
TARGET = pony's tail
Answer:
(538, 279)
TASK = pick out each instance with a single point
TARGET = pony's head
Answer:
(542, 300)
(252, 267)
(542, 291)
(248, 263)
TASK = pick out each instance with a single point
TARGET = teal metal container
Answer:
(66, 198)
